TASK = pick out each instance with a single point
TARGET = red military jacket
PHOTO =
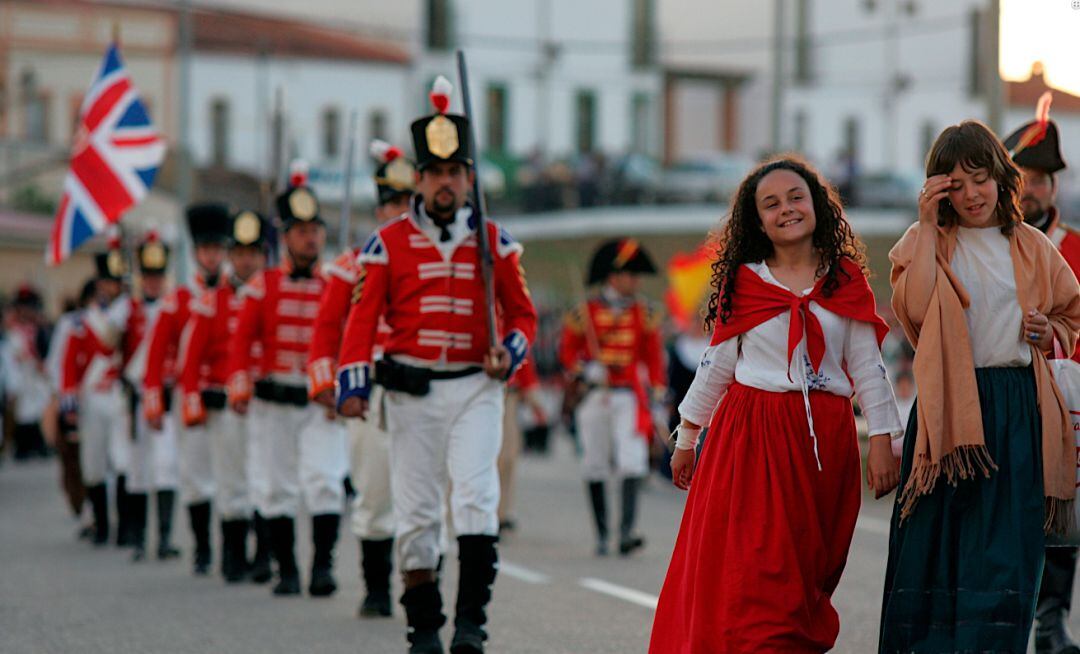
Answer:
(165, 346)
(1067, 241)
(91, 357)
(277, 312)
(432, 299)
(215, 316)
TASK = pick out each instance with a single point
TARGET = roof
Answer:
(1026, 94)
(248, 33)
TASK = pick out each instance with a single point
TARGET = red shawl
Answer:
(756, 300)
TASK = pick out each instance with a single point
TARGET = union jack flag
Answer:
(116, 156)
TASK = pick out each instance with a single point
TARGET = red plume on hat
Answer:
(298, 173)
(113, 239)
(1037, 132)
(383, 152)
(440, 94)
(151, 236)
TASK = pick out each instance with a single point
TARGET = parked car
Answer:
(634, 179)
(887, 190)
(708, 178)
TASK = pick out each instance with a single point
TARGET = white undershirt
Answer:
(983, 263)
(758, 358)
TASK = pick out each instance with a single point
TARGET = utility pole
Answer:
(995, 96)
(183, 182)
(548, 52)
(777, 77)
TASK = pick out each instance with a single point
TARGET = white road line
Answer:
(873, 525)
(522, 573)
(621, 592)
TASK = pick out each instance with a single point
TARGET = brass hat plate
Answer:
(247, 228)
(442, 137)
(153, 256)
(115, 263)
(302, 204)
(400, 174)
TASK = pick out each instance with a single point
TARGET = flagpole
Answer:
(183, 182)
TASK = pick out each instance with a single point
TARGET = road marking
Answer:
(873, 525)
(620, 592)
(522, 573)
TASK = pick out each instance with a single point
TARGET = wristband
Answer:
(686, 437)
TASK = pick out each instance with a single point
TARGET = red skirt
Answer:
(764, 535)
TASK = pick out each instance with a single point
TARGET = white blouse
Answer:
(758, 358)
(983, 263)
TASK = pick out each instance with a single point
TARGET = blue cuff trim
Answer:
(353, 381)
(518, 346)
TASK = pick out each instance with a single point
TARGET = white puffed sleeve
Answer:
(714, 374)
(871, 380)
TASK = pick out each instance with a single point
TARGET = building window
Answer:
(643, 37)
(496, 118)
(976, 82)
(35, 105)
(929, 135)
(377, 124)
(585, 111)
(803, 43)
(639, 123)
(438, 25)
(851, 138)
(331, 132)
(800, 130)
(219, 132)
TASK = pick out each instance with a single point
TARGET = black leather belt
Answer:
(214, 398)
(414, 380)
(272, 391)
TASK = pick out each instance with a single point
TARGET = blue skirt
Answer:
(964, 569)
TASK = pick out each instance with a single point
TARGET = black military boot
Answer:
(324, 533)
(236, 548)
(99, 502)
(166, 508)
(199, 514)
(376, 558)
(261, 572)
(123, 513)
(137, 519)
(424, 617)
(478, 561)
(283, 542)
(598, 500)
(628, 540)
(1055, 599)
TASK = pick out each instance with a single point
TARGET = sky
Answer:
(1041, 30)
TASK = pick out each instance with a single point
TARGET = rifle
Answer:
(346, 200)
(486, 260)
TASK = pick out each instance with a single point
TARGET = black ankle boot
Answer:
(123, 513)
(199, 514)
(478, 561)
(166, 508)
(598, 501)
(376, 557)
(324, 533)
(237, 551)
(99, 502)
(283, 542)
(424, 616)
(261, 571)
(628, 540)
(137, 507)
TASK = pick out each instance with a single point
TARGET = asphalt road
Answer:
(553, 595)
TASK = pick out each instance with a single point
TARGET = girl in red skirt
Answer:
(772, 508)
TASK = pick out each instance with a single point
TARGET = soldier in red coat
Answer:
(300, 444)
(606, 342)
(444, 385)
(1036, 149)
(153, 451)
(210, 230)
(369, 447)
(90, 397)
(203, 376)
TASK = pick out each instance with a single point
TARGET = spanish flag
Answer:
(689, 276)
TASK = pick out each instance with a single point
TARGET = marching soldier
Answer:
(209, 225)
(153, 451)
(605, 342)
(23, 367)
(90, 396)
(1036, 149)
(303, 443)
(203, 375)
(372, 510)
(444, 386)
